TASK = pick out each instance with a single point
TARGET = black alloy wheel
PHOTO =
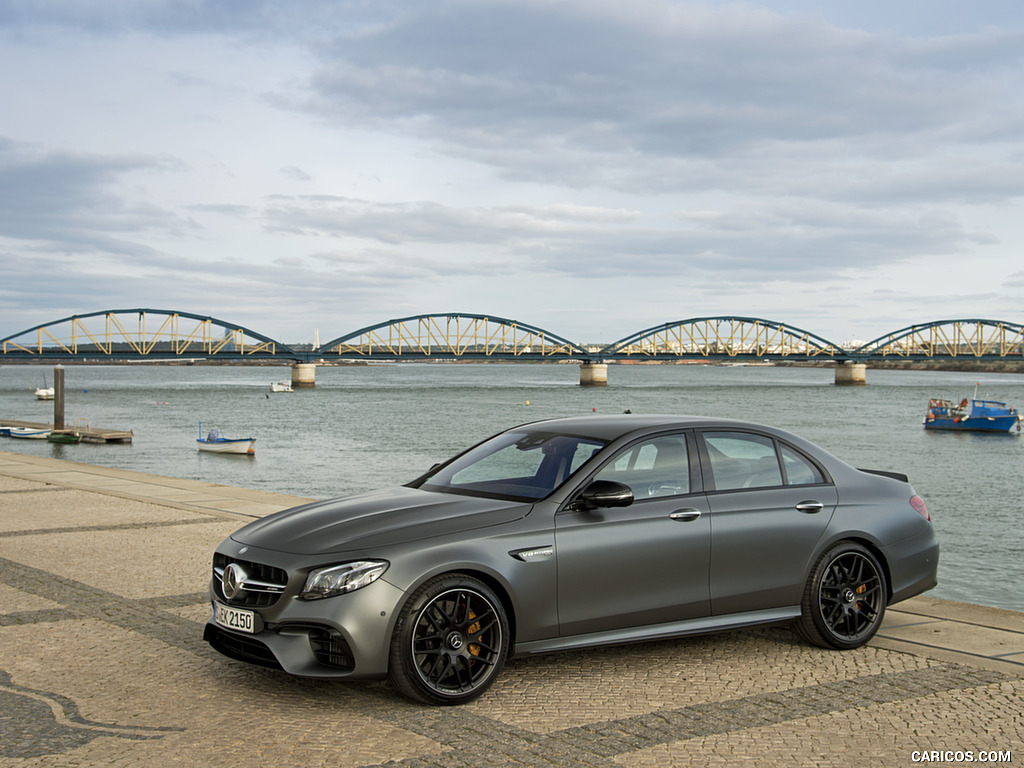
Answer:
(844, 600)
(450, 642)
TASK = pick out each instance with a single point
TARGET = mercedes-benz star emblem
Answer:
(233, 580)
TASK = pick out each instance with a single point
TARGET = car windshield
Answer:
(519, 465)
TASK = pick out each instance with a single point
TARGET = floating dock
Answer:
(88, 433)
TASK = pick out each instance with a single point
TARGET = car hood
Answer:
(375, 519)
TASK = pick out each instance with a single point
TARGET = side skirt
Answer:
(661, 631)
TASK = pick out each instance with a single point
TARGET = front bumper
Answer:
(347, 636)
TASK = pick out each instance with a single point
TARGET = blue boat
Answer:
(972, 415)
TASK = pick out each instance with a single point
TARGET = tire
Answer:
(450, 641)
(845, 597)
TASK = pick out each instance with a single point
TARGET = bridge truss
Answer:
(722, 337)
(132, 334)
(452, 336)
(158, 335)
(979, 339)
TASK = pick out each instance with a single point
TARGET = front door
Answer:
(643, 564)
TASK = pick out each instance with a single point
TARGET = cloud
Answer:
(69, 200)
(295, 174)
(809, 241)
(605, 165)
(662, 96)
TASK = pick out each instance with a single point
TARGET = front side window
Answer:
(514, 465)
(658, 466)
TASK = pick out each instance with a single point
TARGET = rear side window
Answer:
(742, 460)
(745, 460)
(799, 469)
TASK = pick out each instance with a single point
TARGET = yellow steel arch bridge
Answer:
(156, 334)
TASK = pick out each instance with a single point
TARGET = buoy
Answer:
(594, 410)
(527, 402)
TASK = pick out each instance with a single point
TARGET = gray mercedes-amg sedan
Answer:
(571, 533)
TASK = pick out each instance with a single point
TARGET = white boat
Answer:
(29, 433)
(281, 386)
(44, 392)
(215, 443)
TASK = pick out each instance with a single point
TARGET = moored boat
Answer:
(971, 415)
(65, 436)
(214, 442)
(281, 386)
(44, 392)
(29, 433)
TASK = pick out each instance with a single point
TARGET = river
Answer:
(363, 427)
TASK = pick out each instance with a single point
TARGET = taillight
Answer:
(918, 503)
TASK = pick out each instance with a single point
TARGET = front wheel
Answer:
(450, 641)
(844, 600)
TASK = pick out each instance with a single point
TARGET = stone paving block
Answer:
(103, 664)
(986, 641)
(553, 692)
(135, 562)
(8, 484)
(12, 600)
(167, 707)
(48, 507)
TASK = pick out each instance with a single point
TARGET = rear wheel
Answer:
(450, 641)
(844, 600)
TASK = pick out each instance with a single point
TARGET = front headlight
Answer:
(339, 579)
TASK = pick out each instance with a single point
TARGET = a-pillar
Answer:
(303, 376)
(593, 374)
(851, 375)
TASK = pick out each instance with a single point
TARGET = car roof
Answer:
(613, 426)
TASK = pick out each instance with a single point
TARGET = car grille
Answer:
(240, 647)
(263, 587)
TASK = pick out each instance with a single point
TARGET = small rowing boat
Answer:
(29, 433)
(214, 442)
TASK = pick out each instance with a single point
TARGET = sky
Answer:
(589, 167)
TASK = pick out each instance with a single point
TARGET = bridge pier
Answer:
(593, 374)
(303, 376)
(851, 374)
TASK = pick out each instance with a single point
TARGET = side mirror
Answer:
(605, 493)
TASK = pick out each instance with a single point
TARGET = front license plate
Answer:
(234, 618)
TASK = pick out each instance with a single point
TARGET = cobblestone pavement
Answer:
(102, 663)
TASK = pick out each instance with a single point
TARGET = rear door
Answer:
(770, 505)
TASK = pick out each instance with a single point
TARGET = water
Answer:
(368, 426)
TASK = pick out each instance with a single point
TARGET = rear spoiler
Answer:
(894, 475)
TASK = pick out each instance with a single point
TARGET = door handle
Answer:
(685, 515)
(810, 507)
